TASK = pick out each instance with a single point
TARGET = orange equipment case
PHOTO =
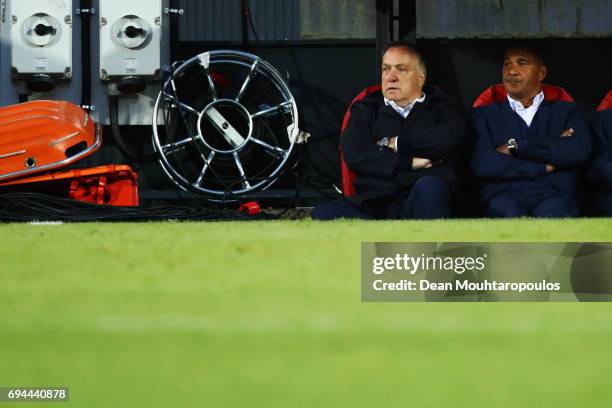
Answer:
(44, 135)
(110, 185)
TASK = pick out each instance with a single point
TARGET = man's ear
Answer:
(422, 77)
(543, 72)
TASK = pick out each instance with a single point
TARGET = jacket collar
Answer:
(387, 109)
(404, 111)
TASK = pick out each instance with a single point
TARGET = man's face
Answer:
(522, 74)
(402, 78)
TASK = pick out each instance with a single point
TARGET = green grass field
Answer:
(269, 314)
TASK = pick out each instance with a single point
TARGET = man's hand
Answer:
(393, 144)
(503, 148)
(566, 133)
(390, 143)
(420, 163)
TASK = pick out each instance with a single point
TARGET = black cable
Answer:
(298, 187)
(86, 54)
(174, 30)
(244, 27)
(246, 9)
(26, 207)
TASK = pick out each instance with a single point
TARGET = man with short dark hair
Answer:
(401, 142)
(528, 149)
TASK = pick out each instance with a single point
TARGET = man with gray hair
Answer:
(401, 142)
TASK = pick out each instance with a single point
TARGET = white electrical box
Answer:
(41, 37)
(130, 38)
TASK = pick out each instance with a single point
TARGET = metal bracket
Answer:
(168, 11)
(302, 137)
(90, 11)
(3, 6)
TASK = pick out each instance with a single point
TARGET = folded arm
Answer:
(571, 149)
(361, 153)
(490, 164)
(437, 142)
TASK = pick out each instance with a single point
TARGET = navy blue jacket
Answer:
(540, 144)
(602, 165)
(434, 129)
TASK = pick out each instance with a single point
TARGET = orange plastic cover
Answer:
(110, 185)
(44, 135)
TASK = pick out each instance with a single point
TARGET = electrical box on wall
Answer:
(41, 38)
(130, 38)
(129, 42)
